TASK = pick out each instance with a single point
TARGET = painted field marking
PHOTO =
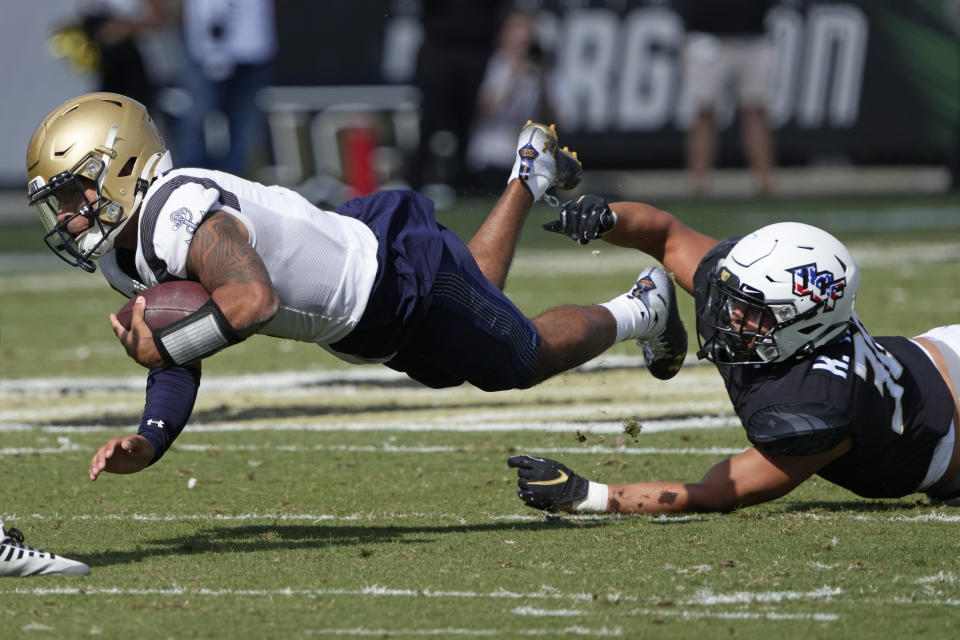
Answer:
(544, 594)
(427, 449)
(602, 632)
(736, 615)
(706, 598)
(443, 424)
(285, 380)
(66, 446)
(438, 413)
(545, 613)
(361, 516)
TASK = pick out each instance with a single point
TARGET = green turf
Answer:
(358, 508)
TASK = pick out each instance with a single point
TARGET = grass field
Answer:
(348, 501)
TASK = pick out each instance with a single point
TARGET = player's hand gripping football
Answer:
(547, 484)
(584, 219)
(138, 340)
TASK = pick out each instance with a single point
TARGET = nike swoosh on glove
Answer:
(547, 484)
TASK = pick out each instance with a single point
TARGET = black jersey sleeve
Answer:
(797, 430)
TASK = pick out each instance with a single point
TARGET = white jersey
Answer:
(321, 264)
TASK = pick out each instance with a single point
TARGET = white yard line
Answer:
(285, 380)
(602, 632)
(371, 517)
(706, 597)
(545, 593)
(69, 447)
(443, 424)
(439, 412)
(735, 615)
(761, 597)
(706, 601)
(427, 449)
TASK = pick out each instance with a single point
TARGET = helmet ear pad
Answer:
(804, 277)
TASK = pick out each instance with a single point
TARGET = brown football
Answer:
(167, 302)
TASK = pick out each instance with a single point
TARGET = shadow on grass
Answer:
(225, 413)
(267, 537)
(863, 506)
(275, 537)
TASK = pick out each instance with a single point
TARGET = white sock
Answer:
(632, 316)
(595, 502)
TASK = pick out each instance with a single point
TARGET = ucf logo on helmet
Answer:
(818, 285)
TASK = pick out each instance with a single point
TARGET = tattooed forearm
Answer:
(221, 258)
(220, 253)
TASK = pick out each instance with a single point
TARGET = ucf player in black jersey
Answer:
(816, 393)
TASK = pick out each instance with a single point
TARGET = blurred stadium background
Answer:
(865, 98)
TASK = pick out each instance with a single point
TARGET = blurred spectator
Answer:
(727, 50)
(457, 40)
(114, 27)
(514, 90)
(230, 46)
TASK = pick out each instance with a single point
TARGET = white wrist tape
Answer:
(200, 334)
(595, 502)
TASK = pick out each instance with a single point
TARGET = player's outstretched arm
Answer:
(121, 454)
(660, 234)
(170, 396)
(745, 479)
(636, 225)
(742, 480)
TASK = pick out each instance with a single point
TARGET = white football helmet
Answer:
(782, 291)
(104, 140)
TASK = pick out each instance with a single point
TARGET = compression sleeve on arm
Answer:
(171, 392)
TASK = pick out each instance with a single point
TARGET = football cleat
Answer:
(569, 170)
(17, 559)
(547, 484)
(665, 344)
(541, 165)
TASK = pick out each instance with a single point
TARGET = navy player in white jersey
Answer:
(377, 280)
(816, 393)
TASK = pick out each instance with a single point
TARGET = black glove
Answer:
(584, 219)
(546, 484)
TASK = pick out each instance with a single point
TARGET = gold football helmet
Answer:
(104, 141)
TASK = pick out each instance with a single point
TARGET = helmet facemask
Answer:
(67, 192)
(742, 326)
